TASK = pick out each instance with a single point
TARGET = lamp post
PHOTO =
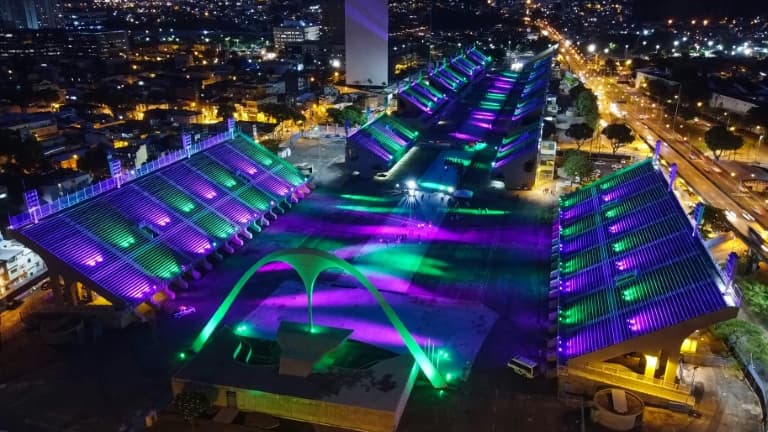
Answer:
(677, 105)
(757, 146)
(591, 48)
(693, 377)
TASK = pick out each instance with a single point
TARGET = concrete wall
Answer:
(362, 160)
(306, 410)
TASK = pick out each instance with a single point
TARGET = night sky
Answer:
(660, 9)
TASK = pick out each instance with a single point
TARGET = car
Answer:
(381, 175)
(523, 366)
(748, 216)
(183, 311)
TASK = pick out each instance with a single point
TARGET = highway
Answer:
(711, 183)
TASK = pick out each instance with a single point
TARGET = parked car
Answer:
(523, 366)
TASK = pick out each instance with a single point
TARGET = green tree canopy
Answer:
(720, 139)
(619, 134)
(576, 90)
(586, 106)
(577, 164)
(352, 113)
(579, 132)
(713, 221)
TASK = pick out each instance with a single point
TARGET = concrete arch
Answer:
(309, 263)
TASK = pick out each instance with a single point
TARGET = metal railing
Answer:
(617, 371)
(622, 378)
(33, 215)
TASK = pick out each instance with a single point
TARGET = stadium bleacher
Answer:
(135, 239)
(629, 264)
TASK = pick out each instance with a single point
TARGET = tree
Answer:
(192, 405)
(577, 164)
(586, 106)
(281, 112)
(27, 154)
(720, 139)
(619, 134)
(226, 110)
(758, 116)
(547, 129)
(93, 161)
(576, 90)
(713, 221)
(579, 132)
(351, 113)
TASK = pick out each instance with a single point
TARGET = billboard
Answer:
(367, 42)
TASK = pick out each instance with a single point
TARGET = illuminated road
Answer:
(717, 188)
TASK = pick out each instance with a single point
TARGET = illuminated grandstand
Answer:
(379, 144)
(423, 96)
(500, 108)
(520, 122)
(632, 276)
(127, 239)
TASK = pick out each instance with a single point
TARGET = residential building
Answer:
(18, 266)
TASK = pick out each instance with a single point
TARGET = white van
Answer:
(523, 366)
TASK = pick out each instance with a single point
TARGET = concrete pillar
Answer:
(70, 295)
(673, 361)
(663, 356)
(651, 363)
(57, 287)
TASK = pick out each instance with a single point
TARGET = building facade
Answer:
(367, 42)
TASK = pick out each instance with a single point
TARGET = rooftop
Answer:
(629, 264)
(134, 238)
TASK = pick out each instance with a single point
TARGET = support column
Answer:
(673, 362)
(663, 357)
(71, 294)
(651, 364)
(57, 287)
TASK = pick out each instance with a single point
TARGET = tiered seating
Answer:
(385, 137)
(279, 166)
(465, 66)
(272, 184)
(478, 57)
(628, 264)
(449, 78)
(206, 191)
(134, 240)
(423, 96)
(177, 232)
